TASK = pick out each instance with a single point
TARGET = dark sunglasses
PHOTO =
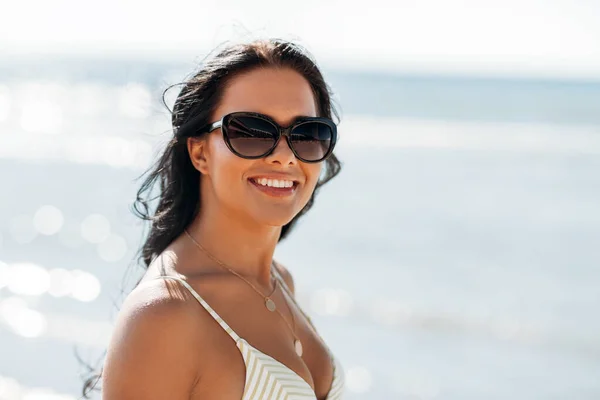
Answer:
(253, 135)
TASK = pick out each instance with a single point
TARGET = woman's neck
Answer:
(243, 246)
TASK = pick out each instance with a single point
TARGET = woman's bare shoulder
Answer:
(156, 348)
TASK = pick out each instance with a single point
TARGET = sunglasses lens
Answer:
(312, 140)
(251, 136)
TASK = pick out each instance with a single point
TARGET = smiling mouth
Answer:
(275, 183)
(275, 187)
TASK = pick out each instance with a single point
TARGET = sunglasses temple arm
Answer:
(214, 126)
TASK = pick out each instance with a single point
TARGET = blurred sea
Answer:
(456, 257)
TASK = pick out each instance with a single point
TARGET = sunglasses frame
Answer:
(281, 132)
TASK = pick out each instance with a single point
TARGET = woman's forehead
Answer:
(281, 93)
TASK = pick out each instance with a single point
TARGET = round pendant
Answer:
(270, 305)
(298, 347)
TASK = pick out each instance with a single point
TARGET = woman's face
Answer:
(230, 182)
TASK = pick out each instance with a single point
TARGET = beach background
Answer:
(457, 255)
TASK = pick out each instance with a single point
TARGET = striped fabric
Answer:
(267, 378)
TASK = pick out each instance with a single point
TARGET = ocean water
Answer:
(455, 257)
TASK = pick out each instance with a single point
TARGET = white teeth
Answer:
(274, 183)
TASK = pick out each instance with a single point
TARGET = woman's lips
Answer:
(274, 191)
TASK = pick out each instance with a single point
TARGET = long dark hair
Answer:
(178, 199)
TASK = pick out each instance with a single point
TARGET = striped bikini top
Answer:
(267, 378)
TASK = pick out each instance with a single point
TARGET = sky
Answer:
(508, 37)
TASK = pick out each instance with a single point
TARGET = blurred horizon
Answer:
(193, 59)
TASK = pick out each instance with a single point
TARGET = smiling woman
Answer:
(253, 141)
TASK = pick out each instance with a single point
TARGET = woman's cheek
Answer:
(315, 173)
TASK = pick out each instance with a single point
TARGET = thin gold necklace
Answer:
(269, 303)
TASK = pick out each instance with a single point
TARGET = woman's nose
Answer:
(282, 154)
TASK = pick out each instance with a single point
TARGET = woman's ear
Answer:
(198, 151)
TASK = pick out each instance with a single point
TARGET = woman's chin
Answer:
(273, 218)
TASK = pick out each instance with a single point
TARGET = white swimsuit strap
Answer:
(208, 308)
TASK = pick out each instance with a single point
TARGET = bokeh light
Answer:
(95, 228)
(61, 282)
(48, 220)
(84, 286)
(22, 320)
(11, 389)
(45, 394)
(39, 116)
(28, 279)
(42, 107)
